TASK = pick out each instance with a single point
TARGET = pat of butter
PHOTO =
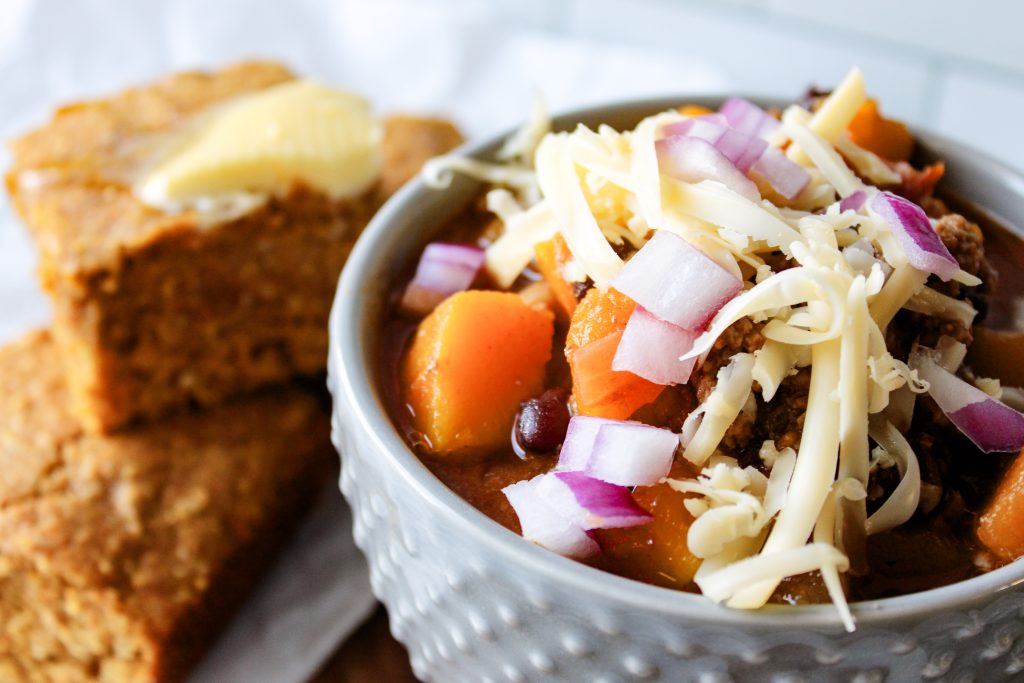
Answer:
(262, 143)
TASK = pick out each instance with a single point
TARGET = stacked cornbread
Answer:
(163, 438)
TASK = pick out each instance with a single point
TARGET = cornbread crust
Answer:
(122, 556)
(153, 311)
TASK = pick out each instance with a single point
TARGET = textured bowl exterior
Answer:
(474, 602)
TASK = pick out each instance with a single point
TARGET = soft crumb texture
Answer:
(408, 142)
(154, 311)
(122, 556)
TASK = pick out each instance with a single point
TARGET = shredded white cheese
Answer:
(814, 473)
(902, 502)
(522, 145)
(826, 159)
(926, 300)
(904, 283)
(512, 252)
(824, 534)
(730, 584)
(836, 112)
(558, 178)
(715, 203)
(867, 163)
(440, 171)
(720, 409)
(773, 363)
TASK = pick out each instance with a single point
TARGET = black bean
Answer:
(543, 421)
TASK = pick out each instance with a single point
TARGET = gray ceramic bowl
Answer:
(474, 602)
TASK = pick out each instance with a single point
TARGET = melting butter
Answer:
(260, 144)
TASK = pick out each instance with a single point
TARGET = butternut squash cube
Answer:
(473, 360)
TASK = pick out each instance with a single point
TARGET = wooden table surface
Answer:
(371, 655)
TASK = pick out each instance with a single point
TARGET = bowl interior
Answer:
(417, 214)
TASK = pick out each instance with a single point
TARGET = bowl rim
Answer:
(357, 394)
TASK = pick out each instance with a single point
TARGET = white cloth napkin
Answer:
(457, 58)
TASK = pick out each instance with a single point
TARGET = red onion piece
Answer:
(747, 117)
(632, 454)
(676, 281)
(853, 202)
(922, 245)
(747, 151)
(591, 503)
(542, 524)
(782, 175)
(740, 148)
(619, 452)
(992, 426)
(443, 270)
(693, 159)
(579, 442)
(651, 347)
(708, 127)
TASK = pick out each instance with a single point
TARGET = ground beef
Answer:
(935, 207)
(743, 336)
(966, 243)
(778, 261)
(782, 418)
(930, 330)
(738, 439)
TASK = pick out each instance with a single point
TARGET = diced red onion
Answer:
(590, 503)
(740, 148)
(748, 152)
(853, 202)
(921, 244)
(579, 442)
(443, 270)
(676, 281)
(782, 175)
(708, 127)
(651, 347)
(747, 117)
(541, 523)
(616, 451)
(632, 454)
(693, 159)
(991, 425)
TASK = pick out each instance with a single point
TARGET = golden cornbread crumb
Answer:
(408, 142)
(154, 311)
(122, 556)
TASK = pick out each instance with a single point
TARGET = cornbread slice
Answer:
(153, 310)
(122, 556)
